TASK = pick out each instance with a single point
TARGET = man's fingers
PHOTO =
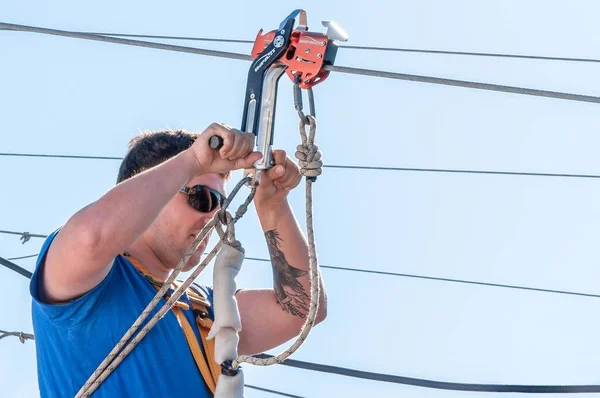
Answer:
(248, 161)
(274, 173)
(279, 156)
(242, 145)
(291, 181)
(247, 140)
(225, 133)
(292, 177)
(279, 170)
(236, 150)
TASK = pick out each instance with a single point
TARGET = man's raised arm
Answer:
(82, 252)
(271, 317)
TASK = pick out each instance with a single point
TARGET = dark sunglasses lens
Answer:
(203, 200)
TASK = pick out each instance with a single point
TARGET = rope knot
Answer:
(308, 154)
(309, 159)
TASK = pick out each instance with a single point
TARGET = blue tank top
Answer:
(72, 339)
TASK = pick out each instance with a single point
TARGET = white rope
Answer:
(314, 275)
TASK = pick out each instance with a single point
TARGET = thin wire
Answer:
(22, 257)
(272, 391)
(463, 171)
(433, 278)
(402, 275)
(440, 385)
(350, 167)
(341, 69)
(351, 47)
(39, 155)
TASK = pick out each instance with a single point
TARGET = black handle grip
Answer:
(215, 142)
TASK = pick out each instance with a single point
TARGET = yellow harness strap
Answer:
(201, 362)
(206, 364)
(200, 304)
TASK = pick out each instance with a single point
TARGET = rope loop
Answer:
(226, 218)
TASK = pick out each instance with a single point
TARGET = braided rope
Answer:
(121, 350)
(308, 170)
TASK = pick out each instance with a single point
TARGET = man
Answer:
(87, 289)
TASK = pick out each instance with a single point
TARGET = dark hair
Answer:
(150, 149)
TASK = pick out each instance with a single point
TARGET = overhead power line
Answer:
(15, 267)
(440, 385)
(341, 69)
(433, 278)
(351, 47)
(273, 391)
(349, 167)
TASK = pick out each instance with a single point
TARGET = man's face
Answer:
(175, 229)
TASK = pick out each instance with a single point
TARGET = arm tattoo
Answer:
(290, 293)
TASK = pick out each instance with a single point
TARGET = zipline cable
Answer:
(424, 277)
(349, 167)
(341, 69)
(351, 47)
(465, 84)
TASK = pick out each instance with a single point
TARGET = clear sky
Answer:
(66, 96)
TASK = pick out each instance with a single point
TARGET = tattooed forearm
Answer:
(290, 293)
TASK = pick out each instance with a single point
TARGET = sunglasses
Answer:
(203, 198)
